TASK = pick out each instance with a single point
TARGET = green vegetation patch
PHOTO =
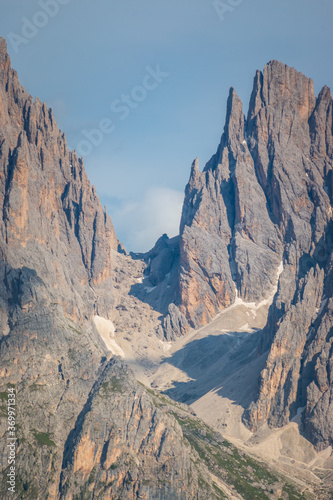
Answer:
(3, 396)
(43, 439)
(247, 476)
(75, 329)
(219, 492)
(113, 385)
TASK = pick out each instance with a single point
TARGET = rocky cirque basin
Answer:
(215, 369)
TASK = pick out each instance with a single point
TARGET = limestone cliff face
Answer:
(264, 198)
(261, 209)
(294, 168)
(262, 190)
(51, 219)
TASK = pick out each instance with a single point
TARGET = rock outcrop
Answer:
(124, 446)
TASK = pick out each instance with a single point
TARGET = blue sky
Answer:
(85, 56)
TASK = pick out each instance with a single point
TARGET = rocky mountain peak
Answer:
(3, 50)
(325, 94)
(280, 86)
(258, 218)
(195, 169)
(5, 64)
(264, 213)
(234, 127)
(255, 234)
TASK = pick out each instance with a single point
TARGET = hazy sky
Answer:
(153, 77)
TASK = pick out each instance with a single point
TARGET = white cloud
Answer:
(139, 223)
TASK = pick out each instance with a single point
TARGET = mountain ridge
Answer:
(262, 201)
(67, 296)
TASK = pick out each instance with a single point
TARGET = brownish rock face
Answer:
(127, 446)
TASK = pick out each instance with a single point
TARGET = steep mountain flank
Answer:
(55, 248)
(51, 219)
(295, 169)
(261, 208)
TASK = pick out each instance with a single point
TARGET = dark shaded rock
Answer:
(159, 287)
(161, 259)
